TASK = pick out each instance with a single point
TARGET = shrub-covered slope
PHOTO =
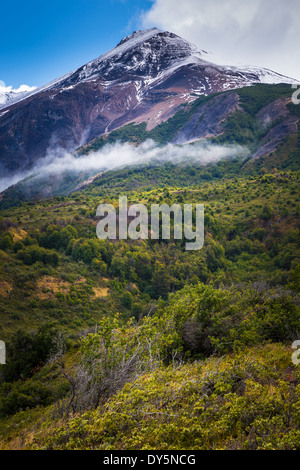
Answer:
(163, 348)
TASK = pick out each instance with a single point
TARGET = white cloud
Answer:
(259, 32)
(113, 156)
(122, 154)
(21, 89)
(9, 89)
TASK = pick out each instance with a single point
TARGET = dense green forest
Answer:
(92, 323)
(122, 344)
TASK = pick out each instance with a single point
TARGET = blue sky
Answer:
(40, 41)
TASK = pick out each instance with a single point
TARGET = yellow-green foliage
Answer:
(248, 400)
(133, 382)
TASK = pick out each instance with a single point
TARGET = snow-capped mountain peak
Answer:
(145, 53)
(145, 78)
(8, 95)
(153, 54)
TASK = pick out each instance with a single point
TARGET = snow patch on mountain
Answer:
(8, 95)
(149, 57)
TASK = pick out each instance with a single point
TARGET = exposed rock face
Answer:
(276, 135)
(287, 125)
(274, 111)
(206, 122)
(145, 78)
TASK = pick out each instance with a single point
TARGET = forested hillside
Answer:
(257, 127)
(141, 344)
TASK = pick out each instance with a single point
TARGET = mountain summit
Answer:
(145, 78)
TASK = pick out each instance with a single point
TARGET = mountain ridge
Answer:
(145, 78)
(143, 36)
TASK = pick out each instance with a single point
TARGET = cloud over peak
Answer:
(4, 90)
(260, 32)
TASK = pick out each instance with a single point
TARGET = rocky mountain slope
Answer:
(145, 78)
(9, 96)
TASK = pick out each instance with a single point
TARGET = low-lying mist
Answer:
(112, 156)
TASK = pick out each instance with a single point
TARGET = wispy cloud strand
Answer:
(118, 155)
